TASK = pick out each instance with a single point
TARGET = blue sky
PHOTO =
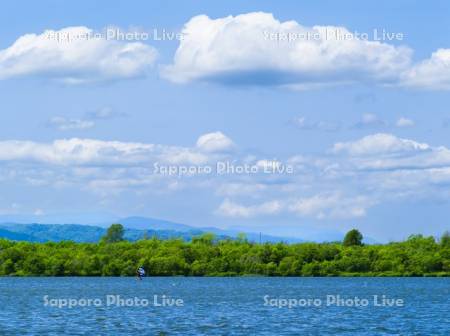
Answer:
(363, 124)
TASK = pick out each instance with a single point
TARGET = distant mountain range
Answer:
(135, 228)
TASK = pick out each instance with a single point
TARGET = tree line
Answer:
(207, 256)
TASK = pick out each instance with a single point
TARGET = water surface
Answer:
(224, 306)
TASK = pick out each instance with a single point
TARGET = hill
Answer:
(135, 228)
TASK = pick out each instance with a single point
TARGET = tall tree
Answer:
(114, 234)
(353, 238)
(445, 239)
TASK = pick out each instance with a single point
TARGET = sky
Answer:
(295, 119)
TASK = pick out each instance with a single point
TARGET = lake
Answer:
(225, 306)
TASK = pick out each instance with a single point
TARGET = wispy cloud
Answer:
(89, 120)
(345, 182)
(67, 124)
(370, 120)
(104, 113)
(303, 123)
(231, 209)
(404, 122)
(320, 206)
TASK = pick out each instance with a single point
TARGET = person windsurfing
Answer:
(140, 272)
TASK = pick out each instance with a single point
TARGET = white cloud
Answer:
(432, 73)
(214, 142)
(179, 155)
(404, 122)
(332, 205)
(74, 151)
(380, 143)
(232, 209)
(244, 50)
(240, 50)
(79, 60)
(358, 174)
(77, 151)
(257, 49)
(103, 167)
(321, 206)
(65, 124)
(268, 165)
(387, 153)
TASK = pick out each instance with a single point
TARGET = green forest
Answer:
(208, 256)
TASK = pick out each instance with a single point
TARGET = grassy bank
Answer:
(205, 256)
